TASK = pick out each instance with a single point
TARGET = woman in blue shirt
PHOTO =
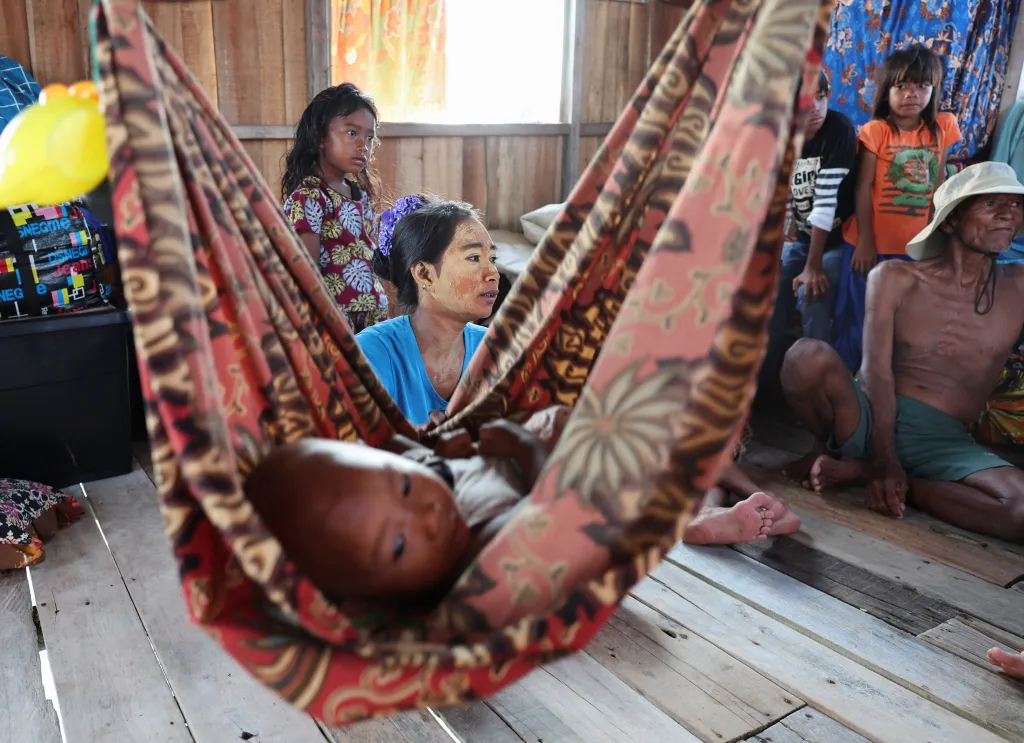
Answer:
(442, 261)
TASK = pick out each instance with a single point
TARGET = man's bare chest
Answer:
(950, 323)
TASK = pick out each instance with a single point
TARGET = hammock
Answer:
(664, 259)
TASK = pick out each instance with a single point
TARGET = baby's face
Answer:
(361, 523)
(404, 533)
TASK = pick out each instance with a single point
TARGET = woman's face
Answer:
(466, 284)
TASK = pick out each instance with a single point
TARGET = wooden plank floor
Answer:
(855, 630)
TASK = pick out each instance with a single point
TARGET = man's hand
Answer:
(865, 256)
(887, 493)
(814, 281)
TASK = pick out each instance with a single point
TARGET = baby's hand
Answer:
(456, 444)
(548, 424)
(501, 438)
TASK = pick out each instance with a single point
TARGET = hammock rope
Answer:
(644, 308)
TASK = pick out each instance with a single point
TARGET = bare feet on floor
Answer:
(1012, 664)
(784, 521)
(827, 472)
(747, 521)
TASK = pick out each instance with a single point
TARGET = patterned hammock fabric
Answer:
(663, 260)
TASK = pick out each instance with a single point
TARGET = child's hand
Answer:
(501, 438)
(548, 424)
(864, 257)
(455, 445)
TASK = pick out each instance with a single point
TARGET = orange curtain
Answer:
(395, 51)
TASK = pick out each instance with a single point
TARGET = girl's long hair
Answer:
(304, 157)
(916, 64)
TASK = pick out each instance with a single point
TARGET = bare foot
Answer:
(827, 472)
(747, 521)
(785, 520)
(1012, 665)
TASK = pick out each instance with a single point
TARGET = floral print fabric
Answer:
(346, 228)
(971, 36)
(395, 49)
(21, 503)
(644, 307)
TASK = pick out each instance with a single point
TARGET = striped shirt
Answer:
(821, 188)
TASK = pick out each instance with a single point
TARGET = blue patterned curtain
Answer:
(972, 36)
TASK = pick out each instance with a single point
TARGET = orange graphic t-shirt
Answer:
(905, 176)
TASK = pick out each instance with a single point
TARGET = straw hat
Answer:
(982, 178)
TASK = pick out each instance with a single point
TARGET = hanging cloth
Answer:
(645, 307)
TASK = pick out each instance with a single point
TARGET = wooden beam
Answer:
(318, 46)
(431, 130)
(576, 27)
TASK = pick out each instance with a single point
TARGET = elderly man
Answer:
(937, 333)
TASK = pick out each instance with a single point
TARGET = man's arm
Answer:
(886, 286)
(877, 379)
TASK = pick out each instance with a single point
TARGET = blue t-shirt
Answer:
(391, 349)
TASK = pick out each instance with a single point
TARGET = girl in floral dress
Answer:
(329, 198)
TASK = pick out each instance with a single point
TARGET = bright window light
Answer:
(504, 61)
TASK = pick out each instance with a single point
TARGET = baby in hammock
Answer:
(400, 522)
(403, 522)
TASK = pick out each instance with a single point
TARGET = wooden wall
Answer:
(250, 58)
(622, 39)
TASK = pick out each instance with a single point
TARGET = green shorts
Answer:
(930, 444)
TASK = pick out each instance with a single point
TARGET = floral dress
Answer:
(346, 228)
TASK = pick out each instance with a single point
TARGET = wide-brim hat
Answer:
(976, 180)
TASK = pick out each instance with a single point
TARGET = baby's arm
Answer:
(399, 444)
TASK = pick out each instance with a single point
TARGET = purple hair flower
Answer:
(390, 219)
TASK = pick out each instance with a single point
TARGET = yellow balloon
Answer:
(53, 91)
(52, 153)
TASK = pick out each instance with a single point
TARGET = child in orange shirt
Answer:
(901, 161)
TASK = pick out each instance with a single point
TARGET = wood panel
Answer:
(974, 693)
(858, 697)
(268, 155)
(56, 44)
(25, 712)
(577, 700)
(523, 173)
(109, 683)
(615, 57)
(970, 639)
(808, 726)
(588, 148)
(408, 727)
(478, 722)
(15, 41)
(694, 682)
(188, 30)
(892, 602)
(971, 558)
(260, 61)
(967, 593)
(665, 19)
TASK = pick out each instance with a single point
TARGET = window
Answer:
(454, 61)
